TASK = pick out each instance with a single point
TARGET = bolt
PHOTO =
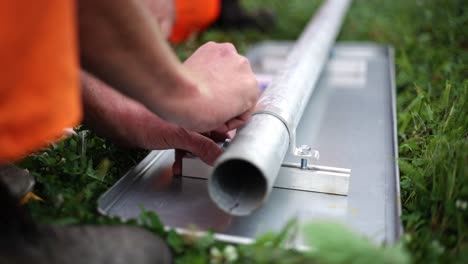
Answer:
(226, 143)
(304, 151)
(304, 164)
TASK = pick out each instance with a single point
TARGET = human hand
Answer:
(226, 91)
(129, 123)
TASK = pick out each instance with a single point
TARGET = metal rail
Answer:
(244, 175)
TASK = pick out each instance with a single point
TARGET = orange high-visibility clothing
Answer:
(193, 16)
(39, 74)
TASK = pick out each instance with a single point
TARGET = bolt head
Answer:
(304, 150)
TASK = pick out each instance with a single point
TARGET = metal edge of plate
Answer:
(107, 200)
(395, 187)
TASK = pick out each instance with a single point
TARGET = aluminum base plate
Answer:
(350, 119)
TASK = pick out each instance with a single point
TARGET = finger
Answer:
(219, 137)
(236, 122)
(177, 166)
(230, 125)
(231, 134)
(228, 47)
(203, 147)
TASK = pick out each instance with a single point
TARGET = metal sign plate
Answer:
(350, 119)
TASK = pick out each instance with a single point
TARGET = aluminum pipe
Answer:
(244, 174)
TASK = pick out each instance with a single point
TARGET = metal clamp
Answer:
(296, 151)
(306, 153)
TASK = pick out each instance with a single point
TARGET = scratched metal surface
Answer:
(350, 119)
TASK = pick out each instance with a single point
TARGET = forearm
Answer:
(122, 44)
(105, 111)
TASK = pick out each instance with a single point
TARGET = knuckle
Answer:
(244, 61)
(248, 103)
(227, 49)
(253, 85)
(209, 45)
(229, 46)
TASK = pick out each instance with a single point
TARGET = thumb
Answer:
(201, 146)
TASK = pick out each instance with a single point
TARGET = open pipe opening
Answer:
(238, 186)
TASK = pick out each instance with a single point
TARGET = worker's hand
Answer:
(227, 90)
(129, 123)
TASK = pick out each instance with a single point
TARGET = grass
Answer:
(431, 42)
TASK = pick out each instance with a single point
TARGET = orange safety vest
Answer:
(39, 74)
(193, 16)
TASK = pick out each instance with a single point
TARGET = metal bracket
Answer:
(306, 153)
(294, 176)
